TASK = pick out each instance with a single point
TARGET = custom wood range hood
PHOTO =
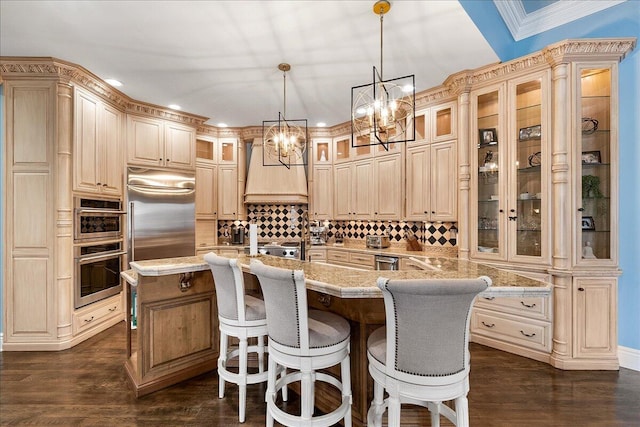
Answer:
(274, 184)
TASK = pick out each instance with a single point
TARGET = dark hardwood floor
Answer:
(86, 386)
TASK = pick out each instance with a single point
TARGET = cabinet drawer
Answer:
(95, 314)
(512, 329)
(532, 307)
(228, 253)
(317, 255)
(364, 260)
(338, 256)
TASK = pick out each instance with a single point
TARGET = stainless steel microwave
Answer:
(98, 219)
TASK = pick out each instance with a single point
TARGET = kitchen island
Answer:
(350, 292)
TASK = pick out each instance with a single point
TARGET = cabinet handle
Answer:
(513, 218)
(487, 325)
(581, 289)
(512, 210)
(104, 185)
(528, 305)
(185, 281)
(113, 309)
(489, 298)
(324, 300)
(580, 209)
(88, 320)
(528, 335)
(98, 183)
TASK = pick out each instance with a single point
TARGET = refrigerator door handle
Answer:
(132, 231)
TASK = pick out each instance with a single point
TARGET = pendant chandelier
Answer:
(383, 111)
(284, 141)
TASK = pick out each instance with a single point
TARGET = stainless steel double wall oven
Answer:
(98, 249)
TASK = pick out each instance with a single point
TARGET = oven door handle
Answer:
(85, 259)
(102, 211)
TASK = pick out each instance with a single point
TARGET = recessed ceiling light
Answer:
(114, 82)
(174, 107)
(222, 125)
(321, 124)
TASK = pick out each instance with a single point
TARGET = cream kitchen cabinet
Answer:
(98, 161)
(595, 333)
(369, 189)
(206, 191)
(206, 231)
(432, 182)
(511, 169)
(353, 195)
(321, 201)
(155, 142)
(228, 192)
(388, 189)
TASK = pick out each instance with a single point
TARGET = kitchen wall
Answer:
(282, 222)
(622, 20)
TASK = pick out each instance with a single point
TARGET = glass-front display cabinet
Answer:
(595, 184)
(511, 180)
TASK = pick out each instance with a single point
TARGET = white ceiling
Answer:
(219, 59)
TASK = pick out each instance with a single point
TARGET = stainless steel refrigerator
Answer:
(161, 208)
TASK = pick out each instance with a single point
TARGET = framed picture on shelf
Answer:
(591, 157)
(488, 136)
(588, 223)
(531, 132)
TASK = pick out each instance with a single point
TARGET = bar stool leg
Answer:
(260, 354)
(462, 411)
(222, 361)
(345, 378)
(242, 380)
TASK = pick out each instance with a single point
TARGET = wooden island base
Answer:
(177, 335)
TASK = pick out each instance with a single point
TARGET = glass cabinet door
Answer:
(595, 165)
(489, 178)
(526, 211)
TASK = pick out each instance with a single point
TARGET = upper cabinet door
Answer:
(529, 168)
(145, 141)
(180, 142)
(489, 180)
(444, 122)
(596, 185)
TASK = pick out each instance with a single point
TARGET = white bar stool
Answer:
(422, 355)
(306, 341)
(241, 316)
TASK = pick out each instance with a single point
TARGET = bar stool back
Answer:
(422, 355)
(241, 316)
(303, 340)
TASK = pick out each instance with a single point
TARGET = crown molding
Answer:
(522, 24)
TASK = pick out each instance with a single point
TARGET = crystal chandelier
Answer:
(382, 111)
(284, 141)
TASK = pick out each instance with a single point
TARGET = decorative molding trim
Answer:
(56, 69)
(629, 358)
(522, 24)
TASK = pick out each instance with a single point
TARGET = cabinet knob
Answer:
(501, 211)
(512, 210)
(433, 212)
(580, 209)
(581, 289)
(168, 160)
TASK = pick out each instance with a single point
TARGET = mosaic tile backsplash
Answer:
(284, 222)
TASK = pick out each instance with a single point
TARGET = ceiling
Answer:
(219, 59)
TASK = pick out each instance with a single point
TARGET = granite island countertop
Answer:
(346, 282)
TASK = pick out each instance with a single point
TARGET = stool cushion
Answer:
(377, 344)
(254, 308)
(326, 329)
